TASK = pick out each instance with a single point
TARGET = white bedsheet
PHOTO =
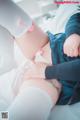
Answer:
(10, 82)
(6, 94)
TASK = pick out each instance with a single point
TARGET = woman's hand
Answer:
(72, 45)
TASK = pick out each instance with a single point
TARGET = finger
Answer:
(68, 51)
(71, 53)
(75, 52)
(79, 51)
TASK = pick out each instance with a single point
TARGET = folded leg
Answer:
(34, 101)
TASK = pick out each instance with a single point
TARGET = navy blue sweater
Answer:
(68, 70)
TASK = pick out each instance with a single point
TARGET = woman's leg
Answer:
(49, 87)
(28, 35)
(31, 42)
(44, 55)
(34, 101)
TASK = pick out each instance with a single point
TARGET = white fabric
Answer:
(14, 19)
(62, 16)
(7, 60)
(58, 23)
(6, 91)
(65, 112)
(31, 104)
(18, 79)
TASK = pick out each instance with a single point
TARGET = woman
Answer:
(26, 31)
(25, 35)
(39, 91)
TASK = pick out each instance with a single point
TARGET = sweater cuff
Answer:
(50, 72)
(72, 30)
(73, 25)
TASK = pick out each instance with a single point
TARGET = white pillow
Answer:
(7, 61)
